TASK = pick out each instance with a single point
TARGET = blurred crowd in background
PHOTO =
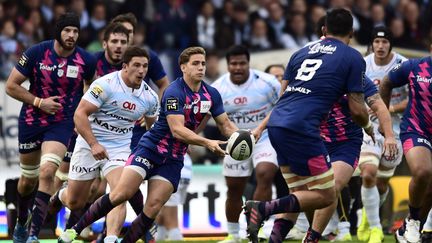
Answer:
(171, 25)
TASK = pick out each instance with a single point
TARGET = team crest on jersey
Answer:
(195, 109)
(96, 91)
(172, 104)
(60, 73)
(397, 67)
(23, 60)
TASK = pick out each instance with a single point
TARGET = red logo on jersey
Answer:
(240, 100)
(129, 106)
(377, 81)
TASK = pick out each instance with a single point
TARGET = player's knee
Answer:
(154, 205)
(75, 203)
(119, 197)
(422, 174)
(328, 197)
(47, 174)
(264, 178)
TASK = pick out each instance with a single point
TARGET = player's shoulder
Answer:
(399, 58)
(88, 57)
(175, 87)
(41, 47)
(99, 55)
(220, 82)
(108, 79)
(209, 87)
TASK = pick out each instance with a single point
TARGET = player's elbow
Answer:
(10, 88)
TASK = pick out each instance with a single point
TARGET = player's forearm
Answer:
(83, 127)
(227, 128)
(188, 136)
(20, 93)
(384, 118)
(358, 109)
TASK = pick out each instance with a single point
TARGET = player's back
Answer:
(318, 76)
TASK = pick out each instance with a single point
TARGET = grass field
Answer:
(388, 238)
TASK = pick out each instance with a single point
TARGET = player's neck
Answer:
(193, 85)
(344, 39)
(383, 61)
(61, 51)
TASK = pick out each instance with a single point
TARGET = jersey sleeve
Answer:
(356, 73)
(370, 88)
(399, 74)
(173, 101)
(98, 93)
(217, 104)
(27, 61)
(155, 69)
(90, 67)
(153, 106)
(275, 87)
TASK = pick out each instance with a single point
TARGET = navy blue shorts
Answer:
(413, 139)
(30, 138)
(70, 148)
(306, 156)
(347, 151)
(170, 169)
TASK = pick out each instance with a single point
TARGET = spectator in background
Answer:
(35, 16)
(205, 26)
(276, 22)
(296, 36)
(9, 47)
(316, 13)
(59, 8)
(298, 6)
(259, 39)
(139, 37)
(413, 26)
(400, 39)
(97, 19)
(79, 7)
(25, 35)
(277, 70)
(241, 25)
(377, 14)
(46, 8)
(224, 36)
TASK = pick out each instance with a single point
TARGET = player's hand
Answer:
(142, 121)
(390, 149)
(99, 152)
(51, 105)
(213, 145)
(370, 131)
(257, 133)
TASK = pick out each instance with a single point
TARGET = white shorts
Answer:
(84, 167)
(179, 197)
(263, 152)
(377, 149)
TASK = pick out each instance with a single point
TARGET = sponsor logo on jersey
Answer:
(172, 104)
(423, 79)
(240, 100)
(23, 60)
(298, 89)
(43, 66)
(112, 128)
(129, 106)
(96, 91)
(318, 47)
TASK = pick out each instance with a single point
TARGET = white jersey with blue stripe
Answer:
(376, 73)
(249, 103)
(119, 107)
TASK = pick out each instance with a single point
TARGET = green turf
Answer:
(388, 238)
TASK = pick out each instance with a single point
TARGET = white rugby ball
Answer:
(240, 145)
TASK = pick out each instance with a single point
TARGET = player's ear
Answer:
(351, 34)
(104, 45)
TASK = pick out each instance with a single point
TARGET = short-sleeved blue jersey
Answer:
(417, 73)
(339, 125)
(155, 69)
(179, 99)
(52, 75)
(318, 76)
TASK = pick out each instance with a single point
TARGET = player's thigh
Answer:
(83, 166)
(264, 159)
(78, 191)
(128, 184)
(419, 160)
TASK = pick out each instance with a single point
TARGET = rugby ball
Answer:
(240, 145)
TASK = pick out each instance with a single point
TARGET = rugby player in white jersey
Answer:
(248, 96)
(376, 168)
(104, 120)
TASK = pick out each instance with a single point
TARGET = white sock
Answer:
(175, 234)
(161, 233)
(383, 196)
(233, 229)
(370, 199)
(110, 239)
(302, 223)
(428, 224)
(332, 224)
(60, 195)
(344, 227)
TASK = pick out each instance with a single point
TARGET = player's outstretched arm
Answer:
(358, 109)
(82, 124)
(385, 90)
(179, 131)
